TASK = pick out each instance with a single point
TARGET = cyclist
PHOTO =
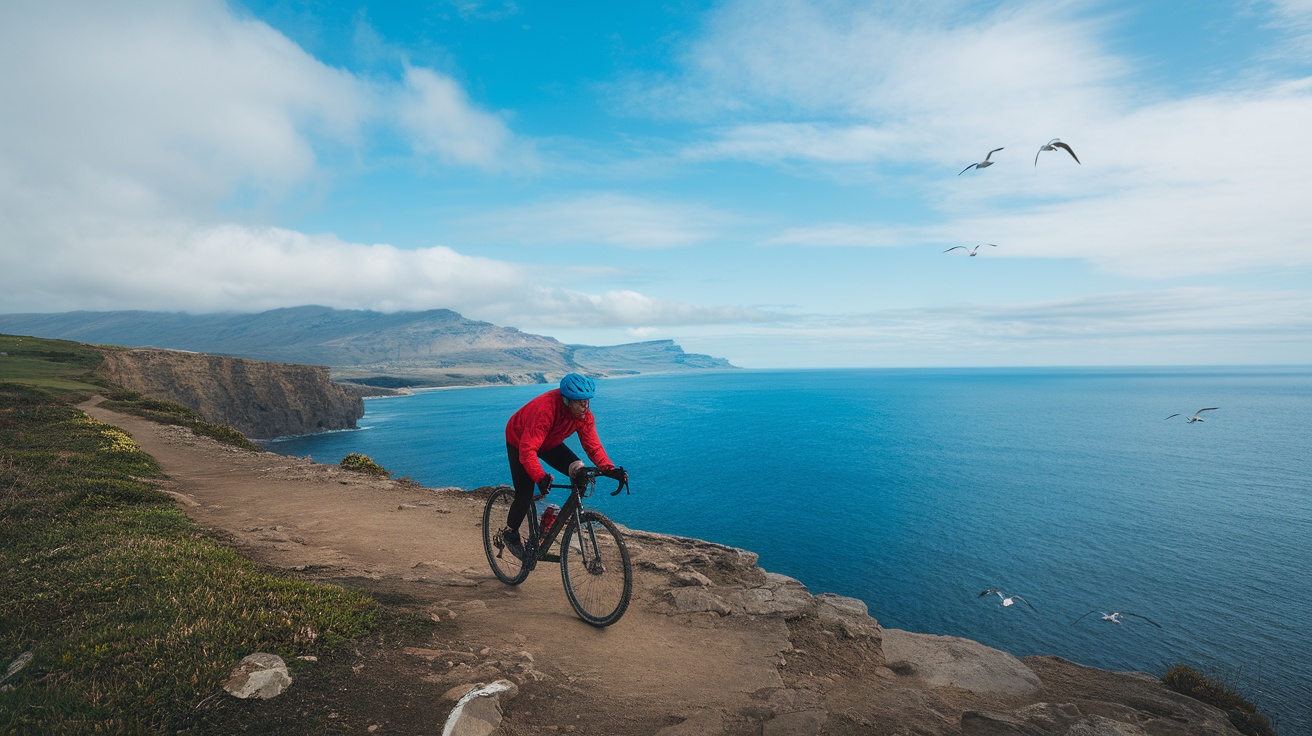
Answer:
(538, 430)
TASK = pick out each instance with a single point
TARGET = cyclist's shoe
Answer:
(510, 539)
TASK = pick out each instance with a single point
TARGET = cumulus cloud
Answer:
(437, 115)
(231, 267)
(159, 107)
(126, 128)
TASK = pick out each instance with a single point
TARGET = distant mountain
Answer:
(433, 348)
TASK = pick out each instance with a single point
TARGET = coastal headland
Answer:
(712, 644)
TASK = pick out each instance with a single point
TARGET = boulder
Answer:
(478, 712)
(258, 675)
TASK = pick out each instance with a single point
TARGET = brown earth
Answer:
(711, 644)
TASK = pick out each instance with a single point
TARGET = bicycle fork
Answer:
(589, 550)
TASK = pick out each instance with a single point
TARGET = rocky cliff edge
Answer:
(261, 400)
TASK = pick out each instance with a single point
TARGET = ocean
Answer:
(915, 490)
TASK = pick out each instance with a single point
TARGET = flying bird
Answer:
(1053, 145)
(1195, 417)
(969, 251)
(1115, 617)
(1007, 600)
(982, 164)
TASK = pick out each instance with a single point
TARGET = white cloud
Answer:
(893, 81)
(126, 127)
(858, 235)
(1185, 326)
(560, 308)
(1208, 184)
(606, 219)
(441, 122)
(230, 267)
(166, 105)
(1294, 18)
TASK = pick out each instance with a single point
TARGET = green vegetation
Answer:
(364, 464)
(58, 365)
(132, 615)
(167, 412)
(1242, 713)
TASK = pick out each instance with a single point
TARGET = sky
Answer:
(770, 181)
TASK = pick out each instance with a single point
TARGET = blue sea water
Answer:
(914, 490)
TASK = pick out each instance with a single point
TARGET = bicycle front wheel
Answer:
(594, 564)
(506, 564)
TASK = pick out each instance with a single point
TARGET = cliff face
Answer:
(261, 400)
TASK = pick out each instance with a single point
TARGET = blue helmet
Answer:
(575, 386)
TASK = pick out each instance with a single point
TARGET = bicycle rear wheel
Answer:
(508, 568)
(594, 564)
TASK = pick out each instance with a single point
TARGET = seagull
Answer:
(982, 164)
(1195, 417)
(1053, 145)
(970, 251)
(1115, 617)
(1007, 600)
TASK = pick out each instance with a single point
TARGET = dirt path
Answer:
(423, 546)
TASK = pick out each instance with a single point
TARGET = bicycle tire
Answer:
(595, 566)
(508, 568)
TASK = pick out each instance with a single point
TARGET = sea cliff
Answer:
(262, 400)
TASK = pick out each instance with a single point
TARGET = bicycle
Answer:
(594, 561)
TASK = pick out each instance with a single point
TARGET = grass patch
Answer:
(1213, 691)
(58, 365)
(133, 615)
(167, 412)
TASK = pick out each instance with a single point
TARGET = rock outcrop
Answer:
(261, 400)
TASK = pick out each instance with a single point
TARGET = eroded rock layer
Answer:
(261, 400)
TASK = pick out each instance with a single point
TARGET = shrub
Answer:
(363, 464)
(1242, 713)
(225, 434)
(168, 412)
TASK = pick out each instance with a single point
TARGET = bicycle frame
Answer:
(537, 550)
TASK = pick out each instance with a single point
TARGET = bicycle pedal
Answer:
(550, 557)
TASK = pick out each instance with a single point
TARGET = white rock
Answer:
(258, 675)
(478, 712)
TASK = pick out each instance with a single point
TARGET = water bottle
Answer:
(548, 518)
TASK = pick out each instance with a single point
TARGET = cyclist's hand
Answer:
(616, 472)
(544, 485)
(579, 478)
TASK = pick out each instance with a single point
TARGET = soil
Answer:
(447, 623)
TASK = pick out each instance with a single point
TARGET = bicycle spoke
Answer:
(505, 564)
(596, 569)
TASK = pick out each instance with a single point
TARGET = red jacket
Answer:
(544, 423)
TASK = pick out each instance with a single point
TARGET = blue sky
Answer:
(769, 181)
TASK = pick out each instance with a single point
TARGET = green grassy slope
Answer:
(131, 615)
